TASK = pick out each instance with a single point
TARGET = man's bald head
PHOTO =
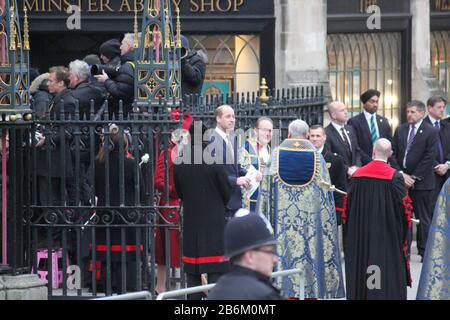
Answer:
(338, 112)
(382, 149)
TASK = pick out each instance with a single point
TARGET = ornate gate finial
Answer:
(157, 71)
(14, 63)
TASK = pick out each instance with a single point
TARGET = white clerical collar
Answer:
(433, 120)
(222, 133)
(377, 159)
(369, 115)
(320, 149)
(338, 127)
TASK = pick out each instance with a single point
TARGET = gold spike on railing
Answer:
(26, 40)
(178, 43)
(12, 27)
(136, 30)
(167, 30)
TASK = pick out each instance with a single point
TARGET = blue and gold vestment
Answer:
(304, 220)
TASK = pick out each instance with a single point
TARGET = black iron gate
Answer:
(84, 194)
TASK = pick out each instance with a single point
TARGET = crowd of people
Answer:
(352, 180)
(384, 182)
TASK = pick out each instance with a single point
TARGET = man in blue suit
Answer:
(369, 126)
(224, 149)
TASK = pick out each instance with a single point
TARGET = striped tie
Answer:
(373, 130)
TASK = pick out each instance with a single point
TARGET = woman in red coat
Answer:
(169, 216)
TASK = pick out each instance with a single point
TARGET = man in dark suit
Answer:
(436, 109)
(49, 166)
(341, 139)
(369, 126)
(415, 151)
(224, 150)
(335, 166)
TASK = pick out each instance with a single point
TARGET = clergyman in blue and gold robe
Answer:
(303, 215)
(434, 281)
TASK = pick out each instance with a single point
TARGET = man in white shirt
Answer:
(342, 139)
(223, 149)
(415, 146)
(436, 110)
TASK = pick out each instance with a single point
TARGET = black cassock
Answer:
(376, 233)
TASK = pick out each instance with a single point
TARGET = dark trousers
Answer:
(423, 210)
(84, 190)
(50, 196)
(194, 280)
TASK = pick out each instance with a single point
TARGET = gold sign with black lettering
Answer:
(364, 4)
(194, 6)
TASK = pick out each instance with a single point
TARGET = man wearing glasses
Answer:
(250, 245)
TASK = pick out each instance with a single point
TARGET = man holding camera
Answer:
(82, 90)
(193, 69)
(415, 149)
(121, 86)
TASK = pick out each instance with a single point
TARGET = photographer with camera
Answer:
(82, 90)
(120, 84)
(193, 69)
(110, 53)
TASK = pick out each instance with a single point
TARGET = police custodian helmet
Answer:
(246, 231)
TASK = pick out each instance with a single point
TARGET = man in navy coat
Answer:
(224, 149)
(370, 126)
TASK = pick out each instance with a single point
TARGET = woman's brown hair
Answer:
(114, 138)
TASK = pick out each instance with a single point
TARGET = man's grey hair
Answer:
(80, 68)
(129, 38)
(298, 129)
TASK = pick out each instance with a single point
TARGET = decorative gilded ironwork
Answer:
(158, 58)
(263, 98)
(14, 63)
(26, 40)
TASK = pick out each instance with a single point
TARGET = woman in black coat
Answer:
(204, 191)
(109, 166)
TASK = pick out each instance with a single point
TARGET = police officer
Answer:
(250, 245)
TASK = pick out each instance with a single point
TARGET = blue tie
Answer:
(441, 149)
(373, 130)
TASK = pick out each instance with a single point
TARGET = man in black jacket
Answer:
(415, 151)
(369, 126)
(193, 69)
(335, 166)
(436, 109)
(121, 86)
(86, 93)
(110, 53)
(342, 139)
(53, 155)
(223, 149)
(250, 245)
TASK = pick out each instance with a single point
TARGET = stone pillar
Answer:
(301, 55)
(424, 83)
(22, 287)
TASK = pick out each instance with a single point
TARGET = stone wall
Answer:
(22, 287)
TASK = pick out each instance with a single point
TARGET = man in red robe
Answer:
(376, 264)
